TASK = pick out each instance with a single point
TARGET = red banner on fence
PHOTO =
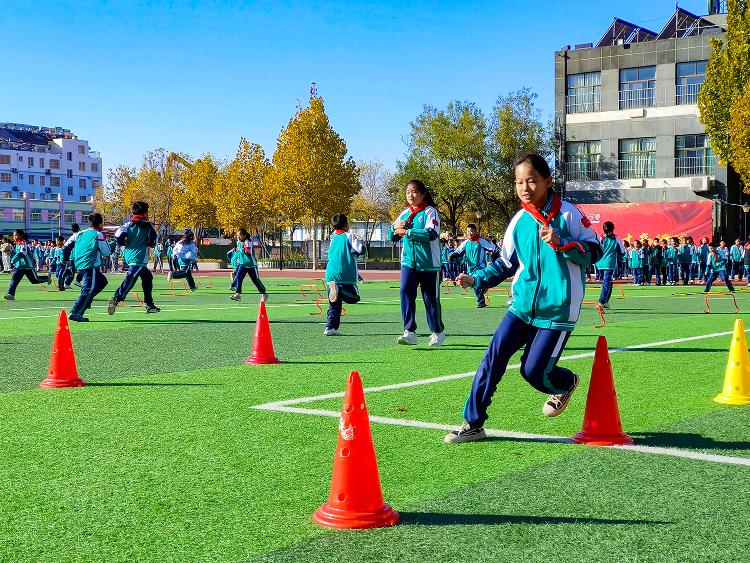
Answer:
(638, 220)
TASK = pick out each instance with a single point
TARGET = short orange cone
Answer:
(262, 342)
(356, 499)
(601, 422)
(62, 361)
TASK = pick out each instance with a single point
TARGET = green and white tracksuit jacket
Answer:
(421, 244)
(549, 282)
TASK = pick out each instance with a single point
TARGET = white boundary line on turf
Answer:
(285, 406)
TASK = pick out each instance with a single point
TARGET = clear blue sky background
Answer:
(196, 76)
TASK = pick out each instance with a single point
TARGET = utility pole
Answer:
(561, 127)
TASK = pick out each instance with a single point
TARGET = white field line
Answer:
(523, 436)
(439, 379)
(285, 406)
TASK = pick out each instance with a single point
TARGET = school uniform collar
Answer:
(550, 210)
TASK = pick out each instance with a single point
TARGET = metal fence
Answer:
(637, 166)
(695, 166)
(641, 98)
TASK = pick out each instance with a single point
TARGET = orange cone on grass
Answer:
(356, 498)
(601, 421)
(262, 342)
(62, 361)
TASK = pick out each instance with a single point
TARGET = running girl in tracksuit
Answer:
(717, 268)
(418, 227)
(91, 246)
(547, 246)
(135, 238)
(185, 252)
(341, 271)
(247, 265)
(475, 250)
(22, 261)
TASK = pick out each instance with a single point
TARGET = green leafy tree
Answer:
(517, 127)
(446, 150)
(727, 77)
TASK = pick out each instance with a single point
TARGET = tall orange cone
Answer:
(356, 499)
(601, 422)
(262, 342)
(62, 361)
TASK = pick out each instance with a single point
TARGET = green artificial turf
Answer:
(162, 457)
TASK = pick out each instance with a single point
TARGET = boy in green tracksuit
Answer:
(547, 247)
(246, 265)
(135, 238)
(341, 271)
(22, 261)
(612, 249)
(91, 246)
(717, 268)
(475, 250)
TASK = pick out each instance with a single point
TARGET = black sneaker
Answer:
(152, 309)
(465, 433)
(481, 305)
(77, 318)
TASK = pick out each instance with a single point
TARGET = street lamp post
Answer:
(562, 131)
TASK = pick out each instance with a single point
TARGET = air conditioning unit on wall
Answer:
(702, 184)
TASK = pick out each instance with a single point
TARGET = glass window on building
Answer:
(82, 183)
(70, 190)
(32, 179)
(54, 164)
(41, 163)
(637, 158)
(83, 198)
(70, 155)
(54, 181)
(690, 77)
(584, 92)
(694, 156)
(82, 167)
(19, 216)
(70, 173)
(638, 87)
(42, 180)
(81, 149)
(31, 161)
(6, 195)
(583, 160)
(70, 217)
(36, 215)
(94, 167)
(5, 177)
(4, 159)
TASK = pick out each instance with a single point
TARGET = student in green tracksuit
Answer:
(247, 265)
(717, 268)
(475, 250)
(91, 246)
(341, 271)
(418, 228)
(547, 246)
(23, 263)
(612, 249)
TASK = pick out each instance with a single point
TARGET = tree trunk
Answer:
(315, 246)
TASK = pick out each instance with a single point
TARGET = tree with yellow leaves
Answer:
(239, 193)
(311, 178)
(152, 185)
(194, 194)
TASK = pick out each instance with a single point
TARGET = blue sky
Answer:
(196, 76)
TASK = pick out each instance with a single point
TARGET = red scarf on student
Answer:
(536, 213)
(136, 218)
(414, 211)
(338, 231)
(474, 239)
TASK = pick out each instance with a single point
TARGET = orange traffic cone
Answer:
(262, 343)
(356, 499)
(601, 421)
(62, 361)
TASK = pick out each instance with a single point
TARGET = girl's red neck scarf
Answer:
(136, 218)
(474, 239)
(339, 231)
(553, 206)
(414, 210)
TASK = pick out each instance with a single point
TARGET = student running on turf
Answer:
(418, 228)
(23, 262)
(717, 268)
(57, 262)
(91, 246)
(246, 265)
(158, 258)
(341, 271)
(612, 249)
(476, 251)
(547, 246)
(68, 266)
(135, 238)
(185, 252)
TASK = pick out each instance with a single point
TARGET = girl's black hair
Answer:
(421, 188)
(536, 161)
(608, 227)
(243, 233)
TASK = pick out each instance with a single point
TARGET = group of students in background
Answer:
(669, 261)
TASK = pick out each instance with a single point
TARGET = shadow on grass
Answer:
(140, 384)
(313, 362)
(685, 441)
(448, 519)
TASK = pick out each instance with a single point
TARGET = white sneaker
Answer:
(333, 292)
(236, 297)
(604, 305)
(556, 404)
(407, 338)
(169, 277)
(436, 339)
(331, 332)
